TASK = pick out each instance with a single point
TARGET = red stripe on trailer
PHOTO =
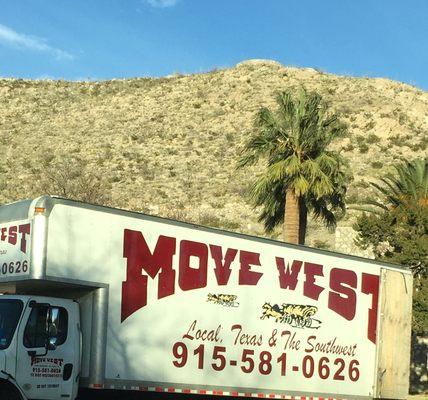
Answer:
(97, 386)
(219, 393)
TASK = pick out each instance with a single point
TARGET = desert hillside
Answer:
(168, 146)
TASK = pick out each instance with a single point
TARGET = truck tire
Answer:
(9, 392)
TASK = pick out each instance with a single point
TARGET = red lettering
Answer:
(13, 234)
(309, 288)
(3, 235)
(189, 277)
(246, 276)
(139, 258)
(343, 299)
(287, 279)
(370, 285)
(24, 230)
(222, 269)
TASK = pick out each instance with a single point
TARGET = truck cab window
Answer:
(10, 311)
(58, 324)
(45, 322)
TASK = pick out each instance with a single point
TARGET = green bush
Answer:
(321, 244)
(372, 138)
(377, 164)
(363, 148)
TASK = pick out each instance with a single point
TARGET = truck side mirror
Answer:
(52, 328)
(51, 343)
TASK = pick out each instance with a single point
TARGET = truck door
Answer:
(48, 351)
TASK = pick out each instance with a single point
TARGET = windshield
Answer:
(10, 311)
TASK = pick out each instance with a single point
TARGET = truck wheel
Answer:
(9, 392)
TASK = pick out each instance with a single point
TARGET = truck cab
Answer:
(40, 347)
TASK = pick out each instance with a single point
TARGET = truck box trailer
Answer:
(108, 299)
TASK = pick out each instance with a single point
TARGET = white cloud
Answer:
(18, 40)
(162, 3)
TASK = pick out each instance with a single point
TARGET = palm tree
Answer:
(397, 227)
(302, 175)
(405, 190)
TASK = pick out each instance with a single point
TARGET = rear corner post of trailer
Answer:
(394, 339)
(99, 299)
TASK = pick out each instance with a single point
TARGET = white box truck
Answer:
(107, 299)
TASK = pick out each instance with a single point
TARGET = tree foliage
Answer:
(293, 142)
(396, 227)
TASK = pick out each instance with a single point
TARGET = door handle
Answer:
(66, 374)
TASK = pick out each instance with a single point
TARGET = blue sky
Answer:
(103, 39)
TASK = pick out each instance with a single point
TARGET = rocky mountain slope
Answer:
(168, 146)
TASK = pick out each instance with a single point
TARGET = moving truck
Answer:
(106, 299)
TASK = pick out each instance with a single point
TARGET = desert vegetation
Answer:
(168, 146)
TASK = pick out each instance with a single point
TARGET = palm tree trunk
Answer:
(303, 223)
(291, 218)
